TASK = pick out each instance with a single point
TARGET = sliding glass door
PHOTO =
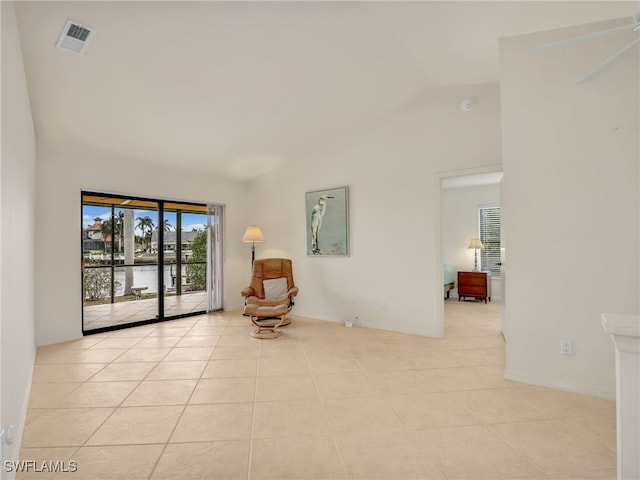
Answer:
(147, 260)
(185, 259)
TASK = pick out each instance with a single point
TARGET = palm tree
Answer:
(105, 230)
(167, 226)
(145, 224)
(120, 229)
(114, 227)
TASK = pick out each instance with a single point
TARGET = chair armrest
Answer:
(247, 292)
(293, 291)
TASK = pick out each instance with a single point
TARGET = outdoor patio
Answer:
(111, 314)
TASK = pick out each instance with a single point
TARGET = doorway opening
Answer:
(470, 205)
(148, 260)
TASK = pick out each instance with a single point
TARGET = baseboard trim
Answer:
(12, 452)
(550, 382)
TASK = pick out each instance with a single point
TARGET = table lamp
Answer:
(475, 243)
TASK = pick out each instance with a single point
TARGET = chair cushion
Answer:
(276, 288)
(263, 311)
(268, 303)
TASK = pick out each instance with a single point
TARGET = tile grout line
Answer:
(84, 445)
(184, 407)
(253, 413)
(324, 411)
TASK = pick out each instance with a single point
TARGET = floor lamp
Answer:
(475, 243)
(253, 235)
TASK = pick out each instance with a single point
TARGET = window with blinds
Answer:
(489, 223)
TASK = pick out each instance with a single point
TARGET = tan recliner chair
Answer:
(269, 297)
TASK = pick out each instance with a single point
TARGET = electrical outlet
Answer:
(566, 348)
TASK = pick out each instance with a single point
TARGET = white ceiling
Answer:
(241, 87)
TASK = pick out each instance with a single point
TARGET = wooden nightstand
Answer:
(474, 284)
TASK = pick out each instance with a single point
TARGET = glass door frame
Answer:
(112, 201)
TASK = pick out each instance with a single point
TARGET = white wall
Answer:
(460, 224)
(17, 234)
(392, 172)
(60, 179)
(571, 206)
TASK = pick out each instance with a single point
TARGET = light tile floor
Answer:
(199, 398)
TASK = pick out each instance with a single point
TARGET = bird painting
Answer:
(317, 214)
(327, 221)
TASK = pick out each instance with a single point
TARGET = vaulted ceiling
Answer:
(242, 87)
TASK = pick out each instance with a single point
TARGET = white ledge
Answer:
(625, 331)
(617, 324)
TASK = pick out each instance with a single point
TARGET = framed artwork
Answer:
(328, 221)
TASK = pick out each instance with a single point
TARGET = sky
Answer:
(189, 220)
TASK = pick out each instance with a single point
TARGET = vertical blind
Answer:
(489, 222)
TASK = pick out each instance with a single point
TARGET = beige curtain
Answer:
(215, 234)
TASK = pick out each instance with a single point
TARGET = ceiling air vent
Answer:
(75, 37)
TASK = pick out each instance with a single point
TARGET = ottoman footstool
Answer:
(267, 319)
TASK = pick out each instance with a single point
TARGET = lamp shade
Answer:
(475, 243)
(253, 234)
